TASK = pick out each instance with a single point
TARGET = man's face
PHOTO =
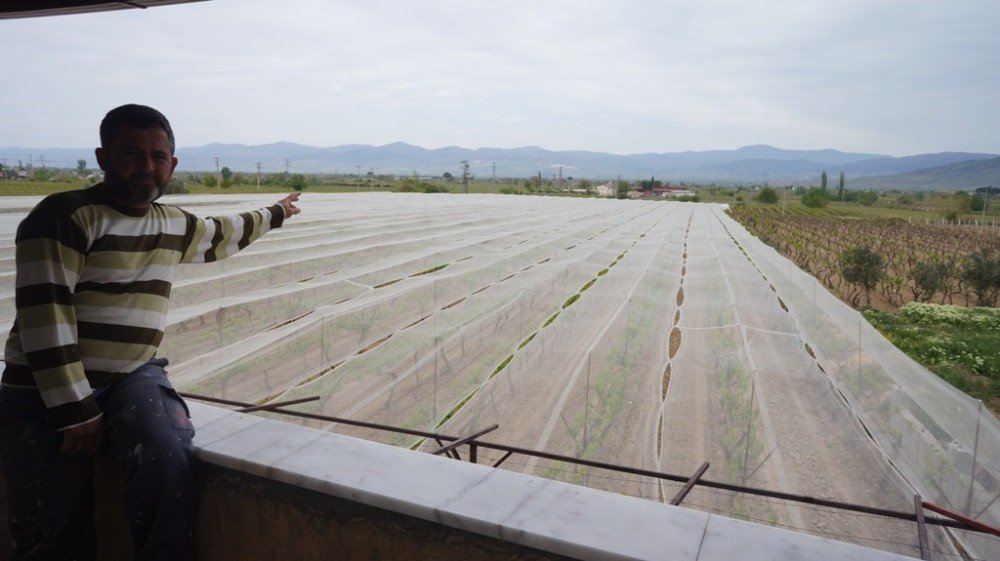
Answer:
(137, 165)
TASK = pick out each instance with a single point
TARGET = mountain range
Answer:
(757, 164)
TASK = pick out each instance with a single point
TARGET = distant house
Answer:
(671, 192)
(606, 190)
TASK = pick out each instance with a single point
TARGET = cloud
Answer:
(635, 76)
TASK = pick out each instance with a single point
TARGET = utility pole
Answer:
(465, 175)
(218, 177)
(258, 176)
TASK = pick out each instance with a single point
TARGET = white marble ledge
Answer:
(532, 511)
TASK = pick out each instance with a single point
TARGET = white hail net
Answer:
(655, 335)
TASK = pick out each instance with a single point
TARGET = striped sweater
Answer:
(92, 289)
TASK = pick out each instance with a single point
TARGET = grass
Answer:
(958, 344)
(37, 188)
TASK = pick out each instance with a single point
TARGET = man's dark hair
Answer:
(136, 116)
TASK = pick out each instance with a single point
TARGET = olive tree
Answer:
(864, 268)
(929, 278)
(982, 272)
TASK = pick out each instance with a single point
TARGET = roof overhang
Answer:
(38, 8)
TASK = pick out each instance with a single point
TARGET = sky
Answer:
(632, 76)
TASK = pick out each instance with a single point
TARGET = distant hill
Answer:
(960, 176)
(747, 165)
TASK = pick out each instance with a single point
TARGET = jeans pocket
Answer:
(177, 409)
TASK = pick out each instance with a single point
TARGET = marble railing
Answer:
(274, 490)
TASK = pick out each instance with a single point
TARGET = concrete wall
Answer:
(254, 519)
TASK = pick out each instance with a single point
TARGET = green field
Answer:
(958, 344)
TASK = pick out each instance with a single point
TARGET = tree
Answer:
(977, 203)
(587, 186)
(982, 272)
(962, 202)
(767, 196)
(929, 278)
(81, 167)
(822, 181)
(650, 184)
(298, 182)
(867, 198)
(227, 177)
(448, 177)
(815, 198)
(209, 180)
(862, 267)
(622, 192)
(840, 187)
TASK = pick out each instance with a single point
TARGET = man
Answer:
(94, 271)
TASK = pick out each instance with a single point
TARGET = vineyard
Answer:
(657, 335)
(815, 241)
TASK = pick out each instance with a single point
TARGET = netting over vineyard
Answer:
(650, 334)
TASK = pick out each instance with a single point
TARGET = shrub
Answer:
(815, 198)
(767, 196)
(175, 187)
(867, 198)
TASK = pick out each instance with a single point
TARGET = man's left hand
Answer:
(288, 203)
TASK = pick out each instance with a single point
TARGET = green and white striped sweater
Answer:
(92, 289)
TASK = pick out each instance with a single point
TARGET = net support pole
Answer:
(918, 505)
(975, 459)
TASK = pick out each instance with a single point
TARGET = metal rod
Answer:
(979, 526)
(269, 406)
(503, 459)
(327, 418)
(953, 523)
(466, 439)
(925, 553)
(689, 485)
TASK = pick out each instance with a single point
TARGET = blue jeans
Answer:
(147, 431)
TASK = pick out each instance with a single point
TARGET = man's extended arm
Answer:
(214, 238)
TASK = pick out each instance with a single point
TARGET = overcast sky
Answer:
(891, 77)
